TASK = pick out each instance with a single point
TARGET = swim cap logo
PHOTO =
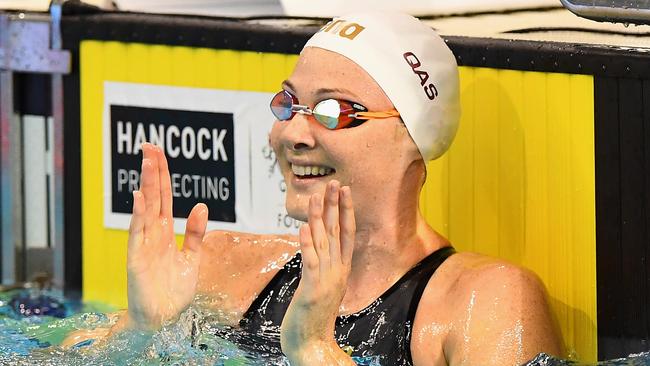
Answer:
(344, 29)
(430, 90)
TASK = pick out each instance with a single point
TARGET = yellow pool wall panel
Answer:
(518, 183)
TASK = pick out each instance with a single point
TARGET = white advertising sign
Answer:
(216, 143)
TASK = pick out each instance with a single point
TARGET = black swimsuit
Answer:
(382, 329)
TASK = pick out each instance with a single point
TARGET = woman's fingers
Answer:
(310, 263)
(136, 227)
(331, 221)
(332, 226)
(150, 184)
(165, 185)
(195, 228)
(145, 188)
(348, 225)
(318, 233)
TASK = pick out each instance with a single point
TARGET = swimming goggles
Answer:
(334, 114)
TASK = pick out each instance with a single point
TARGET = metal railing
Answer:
(29, 43)
(617, 11)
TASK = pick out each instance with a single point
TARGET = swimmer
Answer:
(373, 97)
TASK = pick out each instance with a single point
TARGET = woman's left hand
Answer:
(326, 242)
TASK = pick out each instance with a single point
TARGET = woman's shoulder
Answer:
(474, 270)
(483, 297)
(468, 274)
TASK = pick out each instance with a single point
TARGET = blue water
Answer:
(33, 324)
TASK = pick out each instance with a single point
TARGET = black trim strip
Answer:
(229, 33)
(576, 29)
(646, 270)
(491, 12)
(422, 17)
(72, 179)
(597, 60)
(71, 7)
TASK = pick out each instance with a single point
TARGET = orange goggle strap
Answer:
(344, 122)
(371, 115)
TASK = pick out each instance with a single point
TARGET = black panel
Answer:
(633, 216)
(646, 174)
(608, 216)
(622, 214)
(72, 178)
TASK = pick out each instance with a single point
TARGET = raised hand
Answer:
(326, 242)
(161, 278)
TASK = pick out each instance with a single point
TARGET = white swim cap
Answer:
(412, 65)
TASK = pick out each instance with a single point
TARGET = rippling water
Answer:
(193, 340)
(640, 359)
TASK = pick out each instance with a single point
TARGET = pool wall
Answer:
(548, 169)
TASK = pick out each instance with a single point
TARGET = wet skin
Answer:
(364, 232)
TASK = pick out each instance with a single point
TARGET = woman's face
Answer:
(371, 158)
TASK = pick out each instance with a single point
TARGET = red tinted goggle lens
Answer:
(281, 105)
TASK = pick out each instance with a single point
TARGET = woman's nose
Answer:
(297, 133)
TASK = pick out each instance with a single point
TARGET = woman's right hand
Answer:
(162, 279)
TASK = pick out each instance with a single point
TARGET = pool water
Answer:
(34, 323)
(30, 339)
(641, 359)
